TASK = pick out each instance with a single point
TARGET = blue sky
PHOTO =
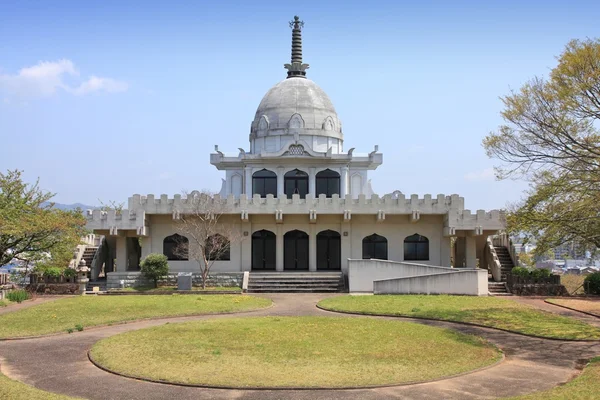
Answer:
(101, 100)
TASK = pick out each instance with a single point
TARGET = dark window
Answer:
(217, 248)
(416, 248)
(375, 246)
(296, 182)
(264, 182)
(263, 250)
(175, 247)
(328, 183)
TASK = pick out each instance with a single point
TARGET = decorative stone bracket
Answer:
(415, 216)
(312, 216)
(347, 215)
(279, 216)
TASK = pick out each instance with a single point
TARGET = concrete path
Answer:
(29, 303)
(541, 304)
(59, 364)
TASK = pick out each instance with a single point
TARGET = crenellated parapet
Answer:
(475, 223)
(114, 221)
(399, 204)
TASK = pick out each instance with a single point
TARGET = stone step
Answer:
(296, 285)
(294, 290)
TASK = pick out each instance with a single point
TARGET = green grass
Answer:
(173, 288)
(3, 303)
(585, 387)
(487, 311)
(294, 352)
(14, 390)
(60, 315)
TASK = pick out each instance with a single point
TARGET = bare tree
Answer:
(208, 235)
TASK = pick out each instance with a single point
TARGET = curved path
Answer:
(59, 364)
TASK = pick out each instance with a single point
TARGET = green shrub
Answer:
(79, 327)
(591, 283)
(539, 273)
(70, 330)
(154, 267)
(17, 296)
(69, 272)
(520, 271)
(53, 272)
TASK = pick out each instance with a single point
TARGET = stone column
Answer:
(248, 182)
(312, 187)
(280, 183)
(445, 251)
(470, 251)
(121, 265)
(346, 245)
(312, 248)
(146, 246)
(344, 182)
(279, 248)
(246, 246)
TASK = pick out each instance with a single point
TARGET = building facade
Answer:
(301, 201)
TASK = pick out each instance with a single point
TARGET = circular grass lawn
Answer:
(263, 352)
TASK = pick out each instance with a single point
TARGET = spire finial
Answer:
(296, 69)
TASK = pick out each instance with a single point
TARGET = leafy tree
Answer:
(526, 260)
(154, 267)
(551, 138)
(30, 228)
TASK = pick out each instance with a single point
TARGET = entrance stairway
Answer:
(505, 261)
(101, 284)
(498, 289)
(88, 255)
(296, 282)
(506, 265)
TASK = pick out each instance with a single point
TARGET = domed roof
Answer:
(298, 104)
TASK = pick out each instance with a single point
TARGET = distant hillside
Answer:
(73, 206)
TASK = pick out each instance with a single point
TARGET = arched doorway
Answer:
(329, 250)
(263, 250)
(295, 251)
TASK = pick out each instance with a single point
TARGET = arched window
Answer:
(328, 183)
(264, 182)
(296, 182)
(217, 248)
(375, 246)
(416, 248)
(175, 247)
(264, 250)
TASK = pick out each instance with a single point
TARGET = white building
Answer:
(302, 201)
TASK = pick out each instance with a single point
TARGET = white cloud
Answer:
(48, 77)
(483, 175)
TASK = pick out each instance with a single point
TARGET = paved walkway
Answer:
(59, 364)
(29, 303)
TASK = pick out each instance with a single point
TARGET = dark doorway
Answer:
(296, 182)
(264, 182)
(295, 251)
(263, 250)
(328, 183)
(329, 250)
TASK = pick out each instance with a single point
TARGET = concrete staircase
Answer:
(498, 289)
(88, 255)
(505, 261)
(101, 284)
(296, 282)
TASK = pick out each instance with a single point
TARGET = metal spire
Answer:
(296, 69)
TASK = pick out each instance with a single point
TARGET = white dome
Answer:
(296, 105)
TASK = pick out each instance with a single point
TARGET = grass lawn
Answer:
(573, 283)
(172, 288)
(3, 303)
(293, 352)
(14, 390)
(60, 315)
(488, 311)
(585, 387)
(591, 306)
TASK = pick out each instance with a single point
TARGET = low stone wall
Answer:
(54, 288)
(538, 290)
(471, 282)
(130, 279)
(362, 273)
